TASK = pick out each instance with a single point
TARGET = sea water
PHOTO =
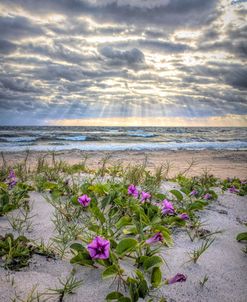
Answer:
(43, 138)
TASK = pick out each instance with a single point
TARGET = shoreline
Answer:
(221, 163)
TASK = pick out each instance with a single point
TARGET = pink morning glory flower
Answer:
(99, 248)
(233, 190)
(132, 190)
(156, 238)
(207, 196)
(177, 278)
(84, 200)
(167, 208)
(184, 216)
(145, 196)
(193, 193)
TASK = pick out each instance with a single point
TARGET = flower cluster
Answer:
(168, 209)
(107, 250)
(133, 191)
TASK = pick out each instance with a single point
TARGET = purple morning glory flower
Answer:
(243, 182)
(84, 200)
(11, 174)
(167, 208)
(145, 196)
(177, 278)
(207, 196)
(233, 190)
(11, 179)
(193, 193)
(184, 216)
(158, 237)
(99, 248)
(132, 190)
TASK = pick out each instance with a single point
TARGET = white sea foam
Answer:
(18, 139)
(72, 138)
(140, 134)
(103, 146)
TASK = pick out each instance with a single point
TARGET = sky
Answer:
(123, 62)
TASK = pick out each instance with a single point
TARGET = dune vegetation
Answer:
(114, 219)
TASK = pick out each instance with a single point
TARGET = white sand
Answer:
(224, 262)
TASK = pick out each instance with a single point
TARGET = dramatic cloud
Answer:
(168, 61)
(131, 58)
(6, 47)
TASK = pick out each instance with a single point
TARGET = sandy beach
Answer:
(221, 163)
(224, 263)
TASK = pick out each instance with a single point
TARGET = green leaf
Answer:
(154, 261)
(126, 220)
(113, 243)
(124, 299)
(185, 191)
(156, 277)
(83, 259)
(50, 185)
(98, 214)
(197, 205)
(160, 196)
(141, 260)
(105, 201)
(130, 230)
(214, 195)
(139, 274)
(100, 189)
(3, 186)
(132, 284)
(77, 247)
(143, 288)
(94, 227)
(114, 296)
(126, 245)
(109, 271)
(74, 200)
(177, 194)
(242, 236)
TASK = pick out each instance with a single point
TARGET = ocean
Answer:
(44, 138)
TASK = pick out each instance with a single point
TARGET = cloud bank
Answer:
(173, 62)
